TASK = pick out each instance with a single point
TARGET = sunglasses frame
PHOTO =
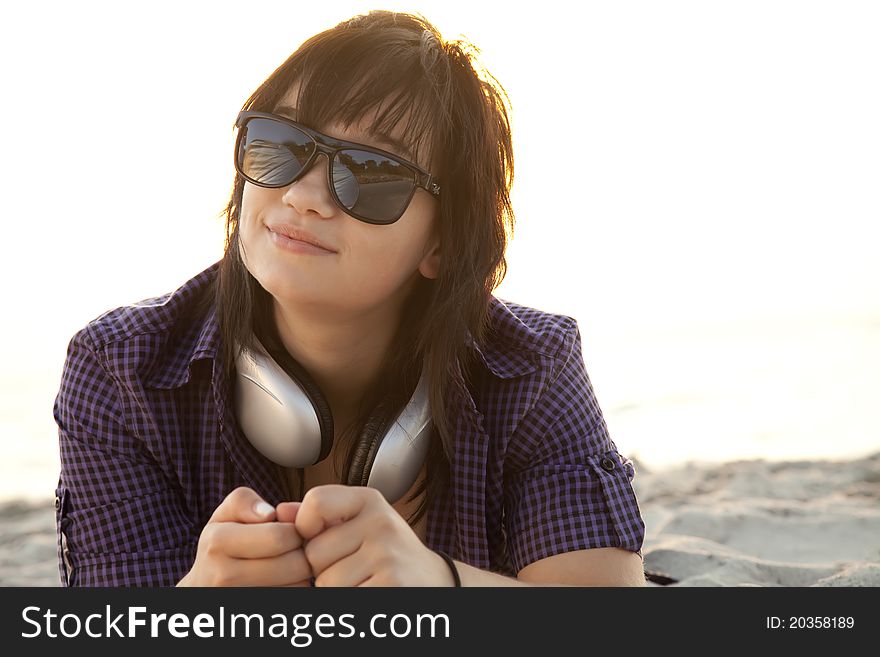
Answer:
(330, 147)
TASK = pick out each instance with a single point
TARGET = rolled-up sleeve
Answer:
(119, 521)
(568, 488)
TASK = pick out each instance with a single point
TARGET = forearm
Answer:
(592, 567)
(471, 576)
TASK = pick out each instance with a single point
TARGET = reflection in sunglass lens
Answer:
(384, 186)
(273, 153)
(346, 184)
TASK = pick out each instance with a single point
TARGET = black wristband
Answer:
(452, 567)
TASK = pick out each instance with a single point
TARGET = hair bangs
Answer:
(389, 89)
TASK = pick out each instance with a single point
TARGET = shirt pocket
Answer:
(62, 524)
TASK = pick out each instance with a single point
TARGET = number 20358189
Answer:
(810, 622)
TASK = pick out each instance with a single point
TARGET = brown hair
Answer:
(343, 73)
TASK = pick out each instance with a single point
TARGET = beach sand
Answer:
(758, 523)
(742, 523)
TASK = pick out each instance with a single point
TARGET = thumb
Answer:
(243, 505)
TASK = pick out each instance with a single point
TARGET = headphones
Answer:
(285, 416)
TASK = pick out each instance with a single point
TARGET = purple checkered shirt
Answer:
(150, 447)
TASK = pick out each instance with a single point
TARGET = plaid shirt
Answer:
(150, 447)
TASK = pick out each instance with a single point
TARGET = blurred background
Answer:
(696, 183)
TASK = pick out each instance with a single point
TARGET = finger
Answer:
(286, 511)
(350, 571)
(283, 570)
(336, 542)
(243, 505)
(324, 506)
(257, 541)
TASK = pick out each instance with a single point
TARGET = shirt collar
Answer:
(201, 344)
(505, 358)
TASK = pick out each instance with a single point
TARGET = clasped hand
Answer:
(340, 535)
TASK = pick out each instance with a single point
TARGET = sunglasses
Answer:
(368, 183)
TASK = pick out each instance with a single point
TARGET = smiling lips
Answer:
(296, 241)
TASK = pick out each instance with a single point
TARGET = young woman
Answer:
(366, 231)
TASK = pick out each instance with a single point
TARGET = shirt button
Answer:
(57, 502)
(607, 463)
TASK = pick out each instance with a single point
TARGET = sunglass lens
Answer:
(373, 186)
(273, 153)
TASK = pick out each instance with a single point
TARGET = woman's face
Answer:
(374, 265)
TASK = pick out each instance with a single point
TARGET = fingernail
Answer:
(263, 508)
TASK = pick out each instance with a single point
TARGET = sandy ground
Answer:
(754, 523)
(743, 523)
(27, 544)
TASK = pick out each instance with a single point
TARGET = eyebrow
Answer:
(381, 137)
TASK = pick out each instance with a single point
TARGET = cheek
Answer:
(250, 223)
(247, 237)
(253, 200)
(387, 260)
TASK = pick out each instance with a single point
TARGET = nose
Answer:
(310, 190)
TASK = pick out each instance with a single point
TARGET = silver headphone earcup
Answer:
(279, 414)
(394, 449)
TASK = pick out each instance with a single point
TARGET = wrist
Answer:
(450, 567)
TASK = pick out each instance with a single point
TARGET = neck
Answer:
(342, 352)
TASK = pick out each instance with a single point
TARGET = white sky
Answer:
(678, 164)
